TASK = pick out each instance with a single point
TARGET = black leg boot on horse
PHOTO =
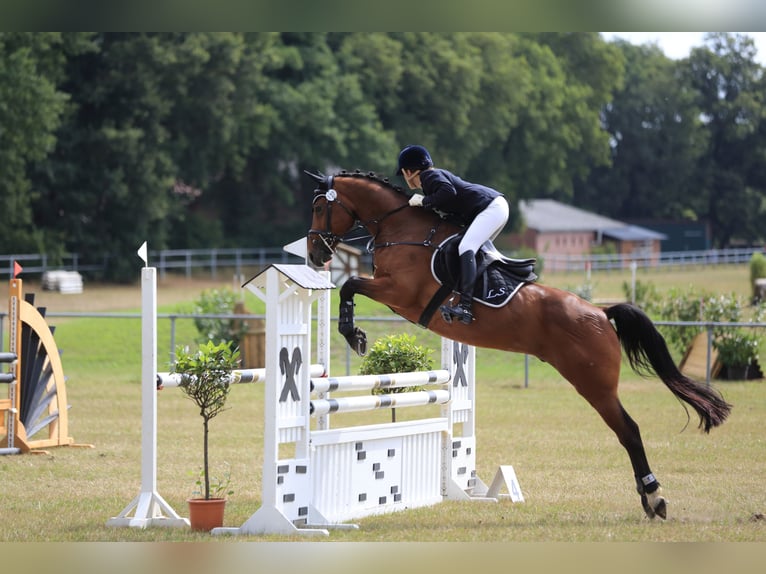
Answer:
(462, 311)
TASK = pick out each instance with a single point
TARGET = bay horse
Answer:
(582, 341)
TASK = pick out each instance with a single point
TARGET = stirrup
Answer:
(461, 313)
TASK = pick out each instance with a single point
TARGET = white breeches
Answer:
(487, 225)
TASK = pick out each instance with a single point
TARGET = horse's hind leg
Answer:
(626, 429)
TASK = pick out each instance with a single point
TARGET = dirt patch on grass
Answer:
(104, 297)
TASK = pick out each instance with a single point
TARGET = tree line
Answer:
(199, 140)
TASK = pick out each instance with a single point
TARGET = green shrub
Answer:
(584, 291)
(681, 305)
(396, 354)
(218, 302)
(647, 297)
(732, 343)
(737, 347)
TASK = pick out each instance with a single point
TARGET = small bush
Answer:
(396, 354)
(737, 348)
(218, 302)
(647, 297)
(732, 343)
(584, 291)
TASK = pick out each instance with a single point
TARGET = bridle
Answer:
(329, 240)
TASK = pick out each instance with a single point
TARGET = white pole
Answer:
(148, 380)
(149, 508)
(633, 267)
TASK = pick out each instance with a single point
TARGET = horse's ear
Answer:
(319, 177)
(324, 182)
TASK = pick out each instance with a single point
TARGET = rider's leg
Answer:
(462, 311)
(493, 218)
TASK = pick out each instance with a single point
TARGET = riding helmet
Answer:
(414, 157)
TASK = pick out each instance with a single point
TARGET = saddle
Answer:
(498, 278)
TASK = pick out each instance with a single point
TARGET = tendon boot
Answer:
(462, 311)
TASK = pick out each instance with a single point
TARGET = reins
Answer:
(330, 239)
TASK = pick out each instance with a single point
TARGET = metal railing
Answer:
(214, 261)
(709, 326)
(662, 260)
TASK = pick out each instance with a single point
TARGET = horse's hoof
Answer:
(654, 504)
(661, 509)
(358, 342)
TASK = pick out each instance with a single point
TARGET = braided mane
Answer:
(371, 175)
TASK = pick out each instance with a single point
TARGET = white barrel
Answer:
(368, 382)
(373, 402)
(168, 380)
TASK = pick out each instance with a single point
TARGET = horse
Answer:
(582, 341)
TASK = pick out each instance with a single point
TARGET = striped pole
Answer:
(170, 380)
(373, 402)
(369, 382)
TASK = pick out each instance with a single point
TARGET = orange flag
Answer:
(17, 269)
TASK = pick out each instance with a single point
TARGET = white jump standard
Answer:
(339, 474)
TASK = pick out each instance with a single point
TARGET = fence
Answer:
(215, 261)
(175, 317)
(663, 260)
(212, 261)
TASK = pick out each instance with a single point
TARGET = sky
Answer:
(677, 45)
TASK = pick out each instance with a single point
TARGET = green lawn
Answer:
(575, 476)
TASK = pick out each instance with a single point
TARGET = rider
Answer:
(483, 210)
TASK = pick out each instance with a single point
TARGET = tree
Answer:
(319, 119)
(730, 93)
(657, 140)
(560, 136)
(158, 120)
(31, 108)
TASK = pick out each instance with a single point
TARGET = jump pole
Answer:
(148, 508)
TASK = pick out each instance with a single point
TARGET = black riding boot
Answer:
(462, 311)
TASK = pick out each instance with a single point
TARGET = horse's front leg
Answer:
(356, 337)
(372, 288)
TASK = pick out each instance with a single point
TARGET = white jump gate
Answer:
(337, 474)
(330, 475)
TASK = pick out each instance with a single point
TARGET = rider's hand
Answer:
(416, 200)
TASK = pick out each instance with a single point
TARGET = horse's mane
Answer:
(372, 176)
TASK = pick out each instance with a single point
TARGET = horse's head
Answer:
(331, 219)
(344, 202)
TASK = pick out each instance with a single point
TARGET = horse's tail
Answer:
(647, 351)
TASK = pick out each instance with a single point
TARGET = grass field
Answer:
(575, 477)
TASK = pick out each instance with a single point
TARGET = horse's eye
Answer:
(318, 209)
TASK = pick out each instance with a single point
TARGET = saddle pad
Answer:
(498, 278)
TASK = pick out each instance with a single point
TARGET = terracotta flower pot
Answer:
(204, 515)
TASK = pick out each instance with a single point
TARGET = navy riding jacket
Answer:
(444, 191)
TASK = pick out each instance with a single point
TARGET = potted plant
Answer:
(205, 379)
(737, 349)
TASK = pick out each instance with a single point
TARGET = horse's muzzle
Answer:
(319, 252)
